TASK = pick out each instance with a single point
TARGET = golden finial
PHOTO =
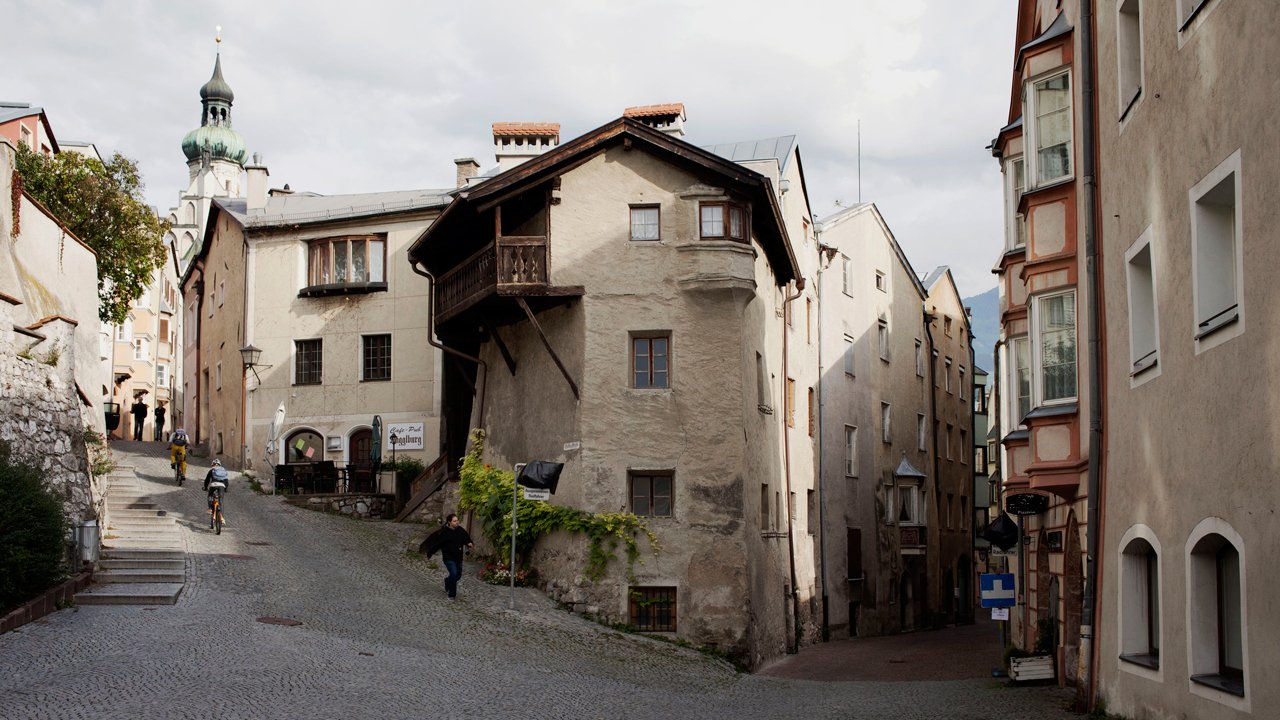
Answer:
(218, 38)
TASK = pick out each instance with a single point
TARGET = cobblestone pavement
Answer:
(379, 639)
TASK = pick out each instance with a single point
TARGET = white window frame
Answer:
(1142, 291)
(886, 416)
(1134, 622)
(1130, 61)
(850, 451)
(848, 356)
(960, 384)
(846, 264)
(1037, 361)
(1015, 224)
(638, 212)
(124, 331)
(162, 375)
(1202, 617)
(1014, 396)
(909, 496)
(882, 282)
(946, 375)
(1031, 132)
(922, 436)
(1212, 327)
(141, 351)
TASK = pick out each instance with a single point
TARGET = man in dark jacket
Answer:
(450, 540)
(139, 411)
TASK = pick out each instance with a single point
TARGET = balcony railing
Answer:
(506, 267)
(911, 536)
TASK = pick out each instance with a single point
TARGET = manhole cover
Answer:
(233, 556)
(256, 542)
(269, 620)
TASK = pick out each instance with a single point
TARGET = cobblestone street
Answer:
(378, 639)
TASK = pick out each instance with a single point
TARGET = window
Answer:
(936, 382)
(217, 376)
(764, 398)
(722, 221)
(140, 349)
(850, 451)
(946, 441)
(1015, 183)
(1144, 334)
(882, 283)
(791, 402)
(652, 609)
(375, 357)
(27, 137)
(1217, 620)
(651, 494)
(307, 362)
(1140, 604)
(813, 413)
(921, 431)
(162, 375)
(960, 385)
(1055, 348)
(853, 552)
(964, 512)
(1129, 52)
(144, 300)
(883, 336)
(946, 375)
(1187, 11)
(764, 507)
(919, 358)
(1021, 378)
(808, 320)
(124, 331)
(649, 355)
(846, 264)
(811, 512)
(1050, 130)
(902, 504)
(886, 435)
(848, 355)
(951, 501)
(163, 330)
(644, 222)
(1216, 249)
(946, 326)
(346, 260)
(964, 446)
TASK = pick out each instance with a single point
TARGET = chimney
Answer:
(667, 118)
(515, 142)
(467, 168)
(256, 197)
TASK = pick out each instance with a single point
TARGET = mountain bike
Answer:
(180, 467)
(215, 513)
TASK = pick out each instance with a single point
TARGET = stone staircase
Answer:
(142, 561)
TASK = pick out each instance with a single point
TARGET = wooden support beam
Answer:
(502, 347)
(547, 343)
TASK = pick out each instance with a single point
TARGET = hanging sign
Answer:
(1026, 503)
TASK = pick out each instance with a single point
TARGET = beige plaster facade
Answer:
(1189, 148)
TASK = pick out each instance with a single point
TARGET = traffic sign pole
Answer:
(511, 569)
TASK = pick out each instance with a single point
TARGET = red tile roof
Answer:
(654, 110)
(526, 129)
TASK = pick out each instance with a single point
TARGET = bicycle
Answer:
(215, 513)
(180, 465)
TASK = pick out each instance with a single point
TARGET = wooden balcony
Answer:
(911, 537)
(509, 266)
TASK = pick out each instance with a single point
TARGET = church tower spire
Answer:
(215, 145)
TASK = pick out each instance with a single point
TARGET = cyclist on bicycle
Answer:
(216, 481)
(178, 442)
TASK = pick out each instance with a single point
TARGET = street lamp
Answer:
(249, 360)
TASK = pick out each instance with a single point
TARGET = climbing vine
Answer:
(486, 491)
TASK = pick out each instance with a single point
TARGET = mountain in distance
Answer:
(985, 320)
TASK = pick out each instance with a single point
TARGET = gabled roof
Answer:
(17, 110)
(844, 214)
(767, 220)
(938, 275)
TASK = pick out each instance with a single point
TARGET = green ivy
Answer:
(486, 491)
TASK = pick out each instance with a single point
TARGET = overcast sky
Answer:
(361, 97)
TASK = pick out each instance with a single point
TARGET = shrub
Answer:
(32, 532)
(496, 572)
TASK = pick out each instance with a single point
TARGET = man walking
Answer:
(450, 540)
(139, 412)
(159, 420)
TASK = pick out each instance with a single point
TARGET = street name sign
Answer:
(536, 493)
(997, 590)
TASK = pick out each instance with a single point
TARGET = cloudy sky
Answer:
(360, 97)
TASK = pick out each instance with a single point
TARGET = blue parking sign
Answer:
(997, 590)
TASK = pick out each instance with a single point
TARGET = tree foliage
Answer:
(32, 532)
(102, 204)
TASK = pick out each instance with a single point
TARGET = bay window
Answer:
(1049, 135)
(355, 260)
(722, 221)
(1054, 325)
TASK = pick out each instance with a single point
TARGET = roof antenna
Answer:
(859, 161)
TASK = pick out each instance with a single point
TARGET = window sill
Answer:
(1218, 322)
(303, 384)
(1146, 660)
(342, 289)
(1145, 364)
(375, 380)
(1232, 685)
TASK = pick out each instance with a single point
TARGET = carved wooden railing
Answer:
(519, 261)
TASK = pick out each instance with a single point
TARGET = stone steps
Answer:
(144, 563)
(142, 554)
(140, 575)
(131, 594)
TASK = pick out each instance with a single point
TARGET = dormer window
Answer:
(722, 221)
(346, 264)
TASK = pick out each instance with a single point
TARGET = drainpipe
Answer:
(793, 642)
(1088, 152)
(822, 494)
(199, 335)
(431, 340)
(933, 413)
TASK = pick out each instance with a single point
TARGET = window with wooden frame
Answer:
(352, 260)
(651, 493)
(650, 360)
(645, 222)
(652, 609)
(722, 221)
(813, 413)
(850, 451)
(375, 357)
(307, 367)
(791, 402)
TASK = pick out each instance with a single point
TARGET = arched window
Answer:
(1140, 604)
(1215, 593)
(304, 446)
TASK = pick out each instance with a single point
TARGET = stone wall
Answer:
(44, 418)
(360, 506)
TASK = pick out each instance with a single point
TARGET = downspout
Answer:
(793, 642)
(250, 272)
(933, 413)
(431, 340)
(822, 494)
(199, 336)
(1088, 131)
